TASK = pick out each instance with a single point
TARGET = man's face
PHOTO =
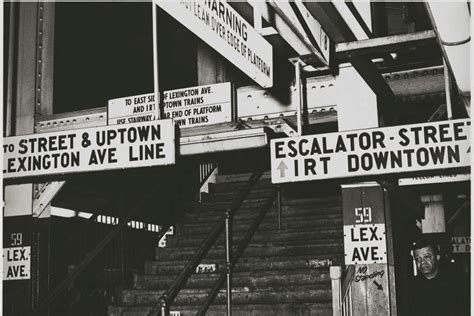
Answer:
(426, 261)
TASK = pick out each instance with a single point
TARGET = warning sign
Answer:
(428, 146)
(461, 244)
(101, 148)
(198, 106)
(16, 263)
(134, 109)
(226, 31)
(365, 244)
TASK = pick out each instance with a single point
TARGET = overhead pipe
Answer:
(451, 22)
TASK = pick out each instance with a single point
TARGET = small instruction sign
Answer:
(188, 107)
(92, 149)
(444, 178)
(16, 263)
(461, 244)
(408, 148)
(134, 109)
(199, 106)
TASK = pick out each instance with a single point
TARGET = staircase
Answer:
(281, 272)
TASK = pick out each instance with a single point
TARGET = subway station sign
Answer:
(397, 149)
(364, 225)
(82, 150)
(221, 27)
(16, 263)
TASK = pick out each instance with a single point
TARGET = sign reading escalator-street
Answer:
(221, 27)
(82, 150)
(397, 149)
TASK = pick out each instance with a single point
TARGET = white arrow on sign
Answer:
(282, 167)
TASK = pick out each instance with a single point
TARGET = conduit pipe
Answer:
(451, 22)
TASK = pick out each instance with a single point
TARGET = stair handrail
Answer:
(168, 297)
(341, 294)
(205, 171)
(91, 255)
(240, 249)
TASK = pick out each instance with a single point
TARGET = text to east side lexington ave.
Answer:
(427, 146)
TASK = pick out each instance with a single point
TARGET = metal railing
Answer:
(206, 170)
(169, 296)
(90, 256)
(341, 290)
(232, 260)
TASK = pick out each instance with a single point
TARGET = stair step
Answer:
(242, 177)
(253, 279)
(246, 263)
(243, 215)
(229, 195)
(260, 236)
(254, 251)
(286, 211)
(293, 309)
(237, 186)
(309, 222)
(240, 295)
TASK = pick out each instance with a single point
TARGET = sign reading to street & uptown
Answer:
(101, 148)
(397, 149)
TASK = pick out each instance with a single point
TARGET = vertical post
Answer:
(447, 84)
(299, 99)
(163, 306)
(228, 264)
(11, 39)
(279, 206)
(364, 209)
(335, 273)
(156, 85)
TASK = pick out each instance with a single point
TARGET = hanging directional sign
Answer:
(92, 149)
(408, 148)
(221, 27)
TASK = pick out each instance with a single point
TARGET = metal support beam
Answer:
(45, 196)
(383, 45)
(338, 30)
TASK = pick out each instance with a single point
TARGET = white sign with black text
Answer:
(222, 28)
(134, 109)
(198, 106)
(397, 149)
(92, 149)
(365, 244)
(16, 263)
(444, 178)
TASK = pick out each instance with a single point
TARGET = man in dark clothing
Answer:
(435, 291)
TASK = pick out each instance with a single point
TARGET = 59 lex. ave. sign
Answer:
(397, 149)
